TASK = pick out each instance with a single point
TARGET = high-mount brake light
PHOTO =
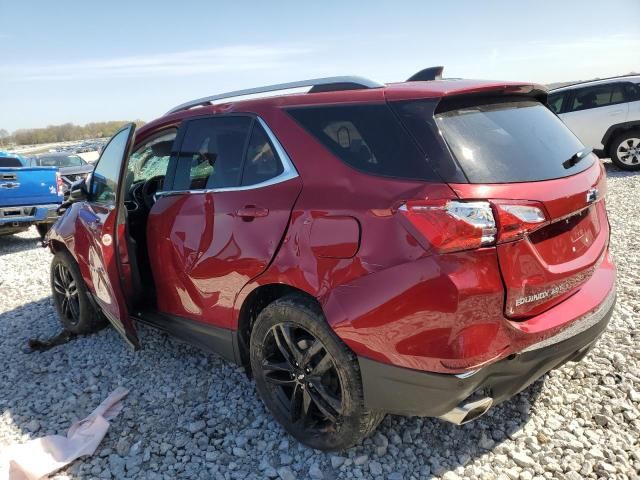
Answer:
(456, 225)
(452, 225)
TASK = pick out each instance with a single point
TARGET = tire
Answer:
(76, 312)
(625, 150)
(43, 228)
(318, 399)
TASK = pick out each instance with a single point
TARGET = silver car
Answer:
(605, 115)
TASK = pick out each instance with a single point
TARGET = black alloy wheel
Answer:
(302, 376)
(65, 290)
(76, 311)
(307, 377)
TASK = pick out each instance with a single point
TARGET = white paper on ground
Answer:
(42, 456)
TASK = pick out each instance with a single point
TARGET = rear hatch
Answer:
(545, 191)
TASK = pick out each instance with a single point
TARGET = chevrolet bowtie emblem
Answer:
(592, 195)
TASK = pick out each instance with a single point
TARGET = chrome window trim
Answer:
(289, 171)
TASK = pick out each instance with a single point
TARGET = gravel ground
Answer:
(192, 415)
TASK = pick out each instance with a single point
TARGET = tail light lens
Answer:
(515, 221)
(451, 225)
(455, 225)
(60, 184)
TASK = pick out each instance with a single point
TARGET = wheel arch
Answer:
(58, 246)
(614, 130)
(256, 301)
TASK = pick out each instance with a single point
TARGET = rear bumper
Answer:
(403, 391)
(25, 215)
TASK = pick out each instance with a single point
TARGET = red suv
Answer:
(423, 248)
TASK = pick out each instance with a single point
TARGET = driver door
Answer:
(101, 222)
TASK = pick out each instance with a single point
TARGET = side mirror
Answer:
(78, 192)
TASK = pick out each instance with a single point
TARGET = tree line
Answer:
(63, 133)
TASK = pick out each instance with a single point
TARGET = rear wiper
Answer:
(577, 157)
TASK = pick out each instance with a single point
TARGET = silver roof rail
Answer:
(316, 84)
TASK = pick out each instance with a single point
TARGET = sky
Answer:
(81, 61)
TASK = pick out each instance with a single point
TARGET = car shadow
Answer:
(18, 243)
(445, 447)
(615, 171)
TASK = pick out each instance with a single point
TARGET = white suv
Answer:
(605, 115)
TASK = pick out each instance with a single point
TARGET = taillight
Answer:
(455, 225)
(451, 225)
(60, 184)
(516, 220)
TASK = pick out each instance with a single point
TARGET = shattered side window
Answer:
(150, 160)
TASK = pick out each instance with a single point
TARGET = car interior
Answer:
(145, 175)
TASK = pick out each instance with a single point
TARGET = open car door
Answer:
(101, 220)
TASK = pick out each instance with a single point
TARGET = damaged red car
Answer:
(429, 247)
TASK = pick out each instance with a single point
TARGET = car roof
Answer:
(392, 92)
(601, 81)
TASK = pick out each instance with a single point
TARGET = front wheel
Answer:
(308, 378)
(71, 297)
(625, 150)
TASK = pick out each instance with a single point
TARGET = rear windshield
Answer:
(367, 137)
(7, 162)
(61, 161)
(514, 141)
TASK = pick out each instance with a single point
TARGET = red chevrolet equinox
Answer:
(427, 248)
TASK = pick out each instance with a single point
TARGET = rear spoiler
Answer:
(521, 92)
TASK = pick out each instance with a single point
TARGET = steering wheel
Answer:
(148, 190)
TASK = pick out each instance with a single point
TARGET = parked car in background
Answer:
(71, 167)
(28, 195)
(427, 248)
(605, 115)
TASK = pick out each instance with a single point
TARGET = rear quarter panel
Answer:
(342, 232)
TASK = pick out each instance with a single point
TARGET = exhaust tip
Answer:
(466, 412)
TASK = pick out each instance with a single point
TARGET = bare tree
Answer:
(3, 135)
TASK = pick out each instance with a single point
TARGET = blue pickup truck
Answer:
(28, 195)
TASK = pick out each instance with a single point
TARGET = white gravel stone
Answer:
(193, 415)
(375, 468)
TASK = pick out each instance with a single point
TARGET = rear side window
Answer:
(262, 163)
(515, 141)
(367, 137)
(555, 102)
(632, 92)
(594, 97)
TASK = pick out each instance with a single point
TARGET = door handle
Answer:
(249, 212)
(616, 112)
